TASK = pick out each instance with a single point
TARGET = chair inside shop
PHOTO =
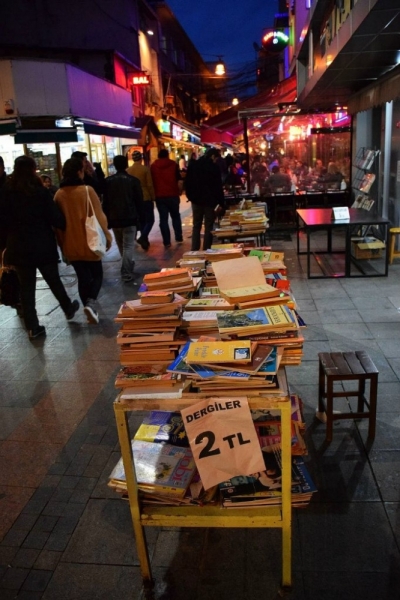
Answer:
(315, 200)
(285, 208)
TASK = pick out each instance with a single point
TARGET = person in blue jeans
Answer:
(165, 174)
(123, 206)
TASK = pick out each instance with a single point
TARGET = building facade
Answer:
(90, 77)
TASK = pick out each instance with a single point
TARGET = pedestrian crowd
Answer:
(40, 224)
(39, 221)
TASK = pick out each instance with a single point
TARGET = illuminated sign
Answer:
(164, 126)
(275, 41)
(140, 79)
(176, 132)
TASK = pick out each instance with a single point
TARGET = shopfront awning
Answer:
(44, 136)
(223, 128)
(98, 129)
(8, 127)
(189, 127)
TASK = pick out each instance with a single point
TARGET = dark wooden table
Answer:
(311, 220)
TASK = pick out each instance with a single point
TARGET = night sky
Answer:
(224, 27)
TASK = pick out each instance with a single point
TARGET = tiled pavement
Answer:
(66, 536)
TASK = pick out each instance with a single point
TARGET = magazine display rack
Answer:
(205, 516)
(364, 177)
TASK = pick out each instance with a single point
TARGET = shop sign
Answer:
(275, 41)
(164, 126)
(140, 79)
(176, 132)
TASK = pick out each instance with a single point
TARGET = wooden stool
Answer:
(347, 366)
(394, 231)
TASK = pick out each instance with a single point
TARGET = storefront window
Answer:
(46, 160)
(9, 151)
(112, 149)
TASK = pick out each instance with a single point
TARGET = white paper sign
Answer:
(340, 213)
(223, 439)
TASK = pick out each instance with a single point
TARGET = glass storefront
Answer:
(45, 156)
(9, 151)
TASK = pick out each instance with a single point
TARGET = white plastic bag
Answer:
(95, 236)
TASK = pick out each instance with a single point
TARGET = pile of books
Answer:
(263, 313)
(265, 488)
(149, 337)
(224, 368)
(242, 221)
(215, 254)
(178, 280)
(165, 469)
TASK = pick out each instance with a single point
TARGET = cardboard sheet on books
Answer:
(243, 279)
(222, 438)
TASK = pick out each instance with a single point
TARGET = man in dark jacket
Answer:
(165, 175)
(205, 192)
(123, 206)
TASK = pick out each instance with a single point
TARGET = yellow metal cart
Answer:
(207, 516)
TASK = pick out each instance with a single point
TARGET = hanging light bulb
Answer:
(235, 102)
(220, 67)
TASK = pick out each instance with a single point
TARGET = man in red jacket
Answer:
(165, 175)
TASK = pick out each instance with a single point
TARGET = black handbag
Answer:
(9, 286)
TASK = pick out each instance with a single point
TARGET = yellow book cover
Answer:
(218, 352)
(250, 292)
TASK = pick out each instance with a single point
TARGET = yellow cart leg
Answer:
(127, 457)
(286, 495)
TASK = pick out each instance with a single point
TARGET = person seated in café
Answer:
(233, 179)
(333, 177)
(279, 181)
(319, 170)
(258, 172)
(300, 170)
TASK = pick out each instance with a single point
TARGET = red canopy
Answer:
(223, 128)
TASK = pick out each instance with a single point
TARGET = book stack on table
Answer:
(165, 469)
(149, 336)
(215, 254)
(242, 221)
(265, 488)
(178, 280)
(263, 313)
(223, 368)
(173, 346)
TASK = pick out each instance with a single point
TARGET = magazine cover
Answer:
(161, 426)
(160, 468)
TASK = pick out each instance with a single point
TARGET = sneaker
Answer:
(167, 245)
(91, 314)
(71, 313)
(36, 332)
(179, 241)
(145, 244)
(127, 279)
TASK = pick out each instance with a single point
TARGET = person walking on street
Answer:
(90, 177)
(27, 217)
(144, 175)
(123, 207)
(165, 175)
(72, 198)
(205, 191)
